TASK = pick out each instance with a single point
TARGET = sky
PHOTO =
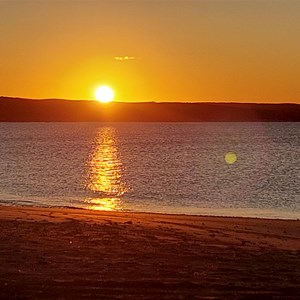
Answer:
(151, 50)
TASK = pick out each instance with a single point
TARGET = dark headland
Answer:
(27, 110)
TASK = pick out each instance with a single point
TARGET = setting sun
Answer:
(104, 94)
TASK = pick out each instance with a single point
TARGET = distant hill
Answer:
(26, 110)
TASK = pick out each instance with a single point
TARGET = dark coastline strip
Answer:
(26, 110)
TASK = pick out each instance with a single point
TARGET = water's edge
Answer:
(222, 213)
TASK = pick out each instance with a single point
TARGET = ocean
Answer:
(228, 169)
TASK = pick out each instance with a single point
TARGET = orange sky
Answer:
(178, 50)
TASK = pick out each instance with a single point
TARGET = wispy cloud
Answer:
(125, 58)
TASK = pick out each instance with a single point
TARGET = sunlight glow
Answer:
(104, 94)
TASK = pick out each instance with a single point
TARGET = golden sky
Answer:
(151, 50)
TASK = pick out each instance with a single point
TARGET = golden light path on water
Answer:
(105, 173)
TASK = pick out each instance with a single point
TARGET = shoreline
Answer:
(77, 253)
(265, 214)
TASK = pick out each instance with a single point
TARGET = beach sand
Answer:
(73, 253)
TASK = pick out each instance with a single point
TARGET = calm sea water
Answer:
(157, 167)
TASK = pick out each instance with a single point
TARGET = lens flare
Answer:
(230, 158)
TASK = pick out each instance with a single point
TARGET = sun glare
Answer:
(104, 94)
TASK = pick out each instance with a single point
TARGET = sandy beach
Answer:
(73, 253)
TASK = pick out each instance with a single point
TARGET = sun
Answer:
(104, 94)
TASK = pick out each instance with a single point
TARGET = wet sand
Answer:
(72, 254)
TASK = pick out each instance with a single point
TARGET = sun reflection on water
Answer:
(105, 173)
(112, 204)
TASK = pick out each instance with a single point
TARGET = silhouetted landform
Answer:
(25, 110)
